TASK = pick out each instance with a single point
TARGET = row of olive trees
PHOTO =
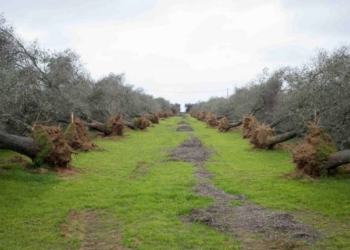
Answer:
(36, 81)
(316, 92)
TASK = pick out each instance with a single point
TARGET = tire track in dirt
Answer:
(236, 214)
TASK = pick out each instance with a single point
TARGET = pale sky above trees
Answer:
(184, 50)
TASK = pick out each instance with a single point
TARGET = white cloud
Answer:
(173, 46)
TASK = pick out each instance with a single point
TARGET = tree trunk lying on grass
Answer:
(47, 146)
(23, 145)
(225, 126)
(264, 138)
(114, 126)
(337, 159)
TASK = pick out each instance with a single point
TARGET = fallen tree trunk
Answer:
(233, 125)
(272, 141)
(101, 127)
(337, 159)
(47, 147)
(275, 123)
(225, 126)
(23, 145)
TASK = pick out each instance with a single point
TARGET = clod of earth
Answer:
(184, 128)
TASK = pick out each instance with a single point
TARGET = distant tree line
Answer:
(37, 81)
(292, 97)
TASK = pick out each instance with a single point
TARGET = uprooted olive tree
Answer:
(46, 146)
(318, 154)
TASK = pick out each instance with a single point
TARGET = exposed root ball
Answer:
(165, 113)
(154, 118)
(76, 136)
(115, 125)
(143, 123)
(316, 148)
(223, 124)
(211, 120)
(201, 116)
(261, 136)
(250, 123)
(54, 149)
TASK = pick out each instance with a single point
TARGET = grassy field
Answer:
(128, 196)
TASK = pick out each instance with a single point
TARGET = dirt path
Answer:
(236, 214)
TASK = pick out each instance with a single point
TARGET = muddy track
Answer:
(235, 213)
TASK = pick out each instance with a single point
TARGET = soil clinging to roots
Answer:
(115, 125)
(184, 128)
(77, 137)
(54, 149)
(316, 148)
(250, 123)
(235, 213)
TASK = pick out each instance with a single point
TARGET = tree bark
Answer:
(275, 123)
(281, 138)
(23, 145)
(337, 159)
(233, 125)
(98, 126)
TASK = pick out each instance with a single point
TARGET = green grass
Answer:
(260, 175)
(130, 187)
(130, 190)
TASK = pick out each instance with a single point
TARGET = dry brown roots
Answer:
(165, 114)
(313, 152)
(77, 136)
(223, 124)
(250, 123)
(201, 116)
(143, 123)
(261, 136)
(211, 120)
(52, 141)
(115, 125)
(154, 118)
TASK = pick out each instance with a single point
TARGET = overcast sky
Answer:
(183, 50)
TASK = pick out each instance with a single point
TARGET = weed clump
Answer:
(313, 152)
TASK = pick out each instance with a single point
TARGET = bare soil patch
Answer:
(87, 226)
(184, 128)
(191, 151)
(236, 214)
(183, 123)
